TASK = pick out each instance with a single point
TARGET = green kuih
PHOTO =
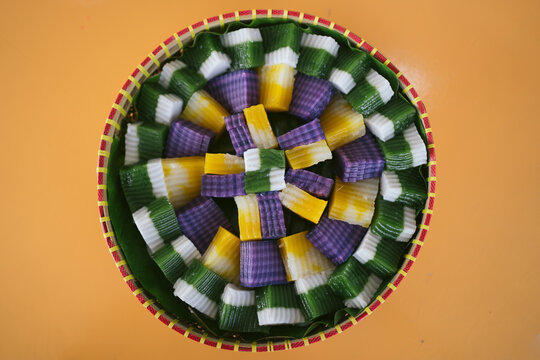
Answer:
(350, 67)
(181, 80)
(245, 48)
(393, 221)
(354, 283)
(317, 55)
(316, 296)
(406, 187)
(370, 94)
(174, 258)
(145, 142)
(200, 288)
(157, 224)
(380, 256)
(143, 183)
(278, 304)
(260, 159)
(157, 104)
(238, 311)
(264, 180)
(207, 56)
(405, 150)
(391, 119)
(281, 44)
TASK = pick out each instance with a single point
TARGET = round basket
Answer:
(120, 110)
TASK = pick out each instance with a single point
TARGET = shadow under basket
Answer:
(187, 323)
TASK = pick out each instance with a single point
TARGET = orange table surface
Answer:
(474, 290)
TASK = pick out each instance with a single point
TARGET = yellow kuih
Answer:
(183, 178)
(354, 202)
(202, 109)
(341, 124)
(223, 164)
(249, 220)
(304, 156)
(301, 258)
(276, 84)
(300, 202)
(259, 127)
(223, 256)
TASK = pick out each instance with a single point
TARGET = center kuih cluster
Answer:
(259, 273)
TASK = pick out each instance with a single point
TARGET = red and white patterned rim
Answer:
(120, 110)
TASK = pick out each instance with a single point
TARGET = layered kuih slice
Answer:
(157, 224)
(238, 310)
(235, 91)
(354, 283)
(207, 56)
(143, 183)
(223, 164)
(359, 160)
(336, 239)
(144, 142)
(239, 133)
(249, 221)
(157, 104)
(350, 67)
(406, 187)
(199, 107)
(259, 127)
(223, 256)
(276, 77)
(380, 256)
(223, 186)
(317, 55)
(311, 96)
(405, 150)
(271, 213)
(305, 146)
(301, 203)
(278, 304)
(314, 184)
(200, 221)
(391, 119)
(200, 288)
(370, 94)
(174, 258)
(183, 178)
(354, 202)
(393, 221)
(265, 170)
(187, 139)
(316, 296)
(261, 264)
(341, 123)
(301, 258)
(245, 48)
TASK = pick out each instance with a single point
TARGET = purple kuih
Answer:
(360, 159)
(308, 181)
(187, 139)
(200, 221)
(235, 91)
(336, 239)
(310, 96)
(271, 213)
(261, 264)
(222, 186)
(302, 135)
(239, 133)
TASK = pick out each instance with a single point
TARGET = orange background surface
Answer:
(474, 291)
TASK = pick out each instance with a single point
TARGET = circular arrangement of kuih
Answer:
(268, 183)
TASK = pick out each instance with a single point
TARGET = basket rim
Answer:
(120, 109)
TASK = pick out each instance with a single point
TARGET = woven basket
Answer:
(120, 110)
